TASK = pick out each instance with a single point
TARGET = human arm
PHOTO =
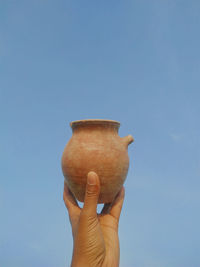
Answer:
(95, 236)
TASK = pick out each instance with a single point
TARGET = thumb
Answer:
(91, 194)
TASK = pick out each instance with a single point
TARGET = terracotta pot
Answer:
(96, 146)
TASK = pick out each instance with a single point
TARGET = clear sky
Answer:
(137, 62)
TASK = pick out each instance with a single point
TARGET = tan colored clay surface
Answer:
(96, 146)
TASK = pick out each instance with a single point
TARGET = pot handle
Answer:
(128, 139)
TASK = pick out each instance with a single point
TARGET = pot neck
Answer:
(95, 125)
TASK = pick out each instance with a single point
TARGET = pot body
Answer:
(96, 146)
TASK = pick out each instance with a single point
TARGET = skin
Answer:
(95, 236)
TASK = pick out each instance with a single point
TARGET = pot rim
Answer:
(73, 124)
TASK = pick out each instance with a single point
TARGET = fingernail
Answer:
(91, 178)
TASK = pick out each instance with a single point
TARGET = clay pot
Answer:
(96, 146)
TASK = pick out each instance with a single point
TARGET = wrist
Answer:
(85, 262)
(81, 263)
(78, 261)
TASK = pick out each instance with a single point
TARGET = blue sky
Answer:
(137, 62)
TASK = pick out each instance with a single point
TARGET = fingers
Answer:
(106, 208)
(91, 194)
(72, 207)
(116, 208)
(69, 198)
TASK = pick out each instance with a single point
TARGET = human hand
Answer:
(95, 236)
